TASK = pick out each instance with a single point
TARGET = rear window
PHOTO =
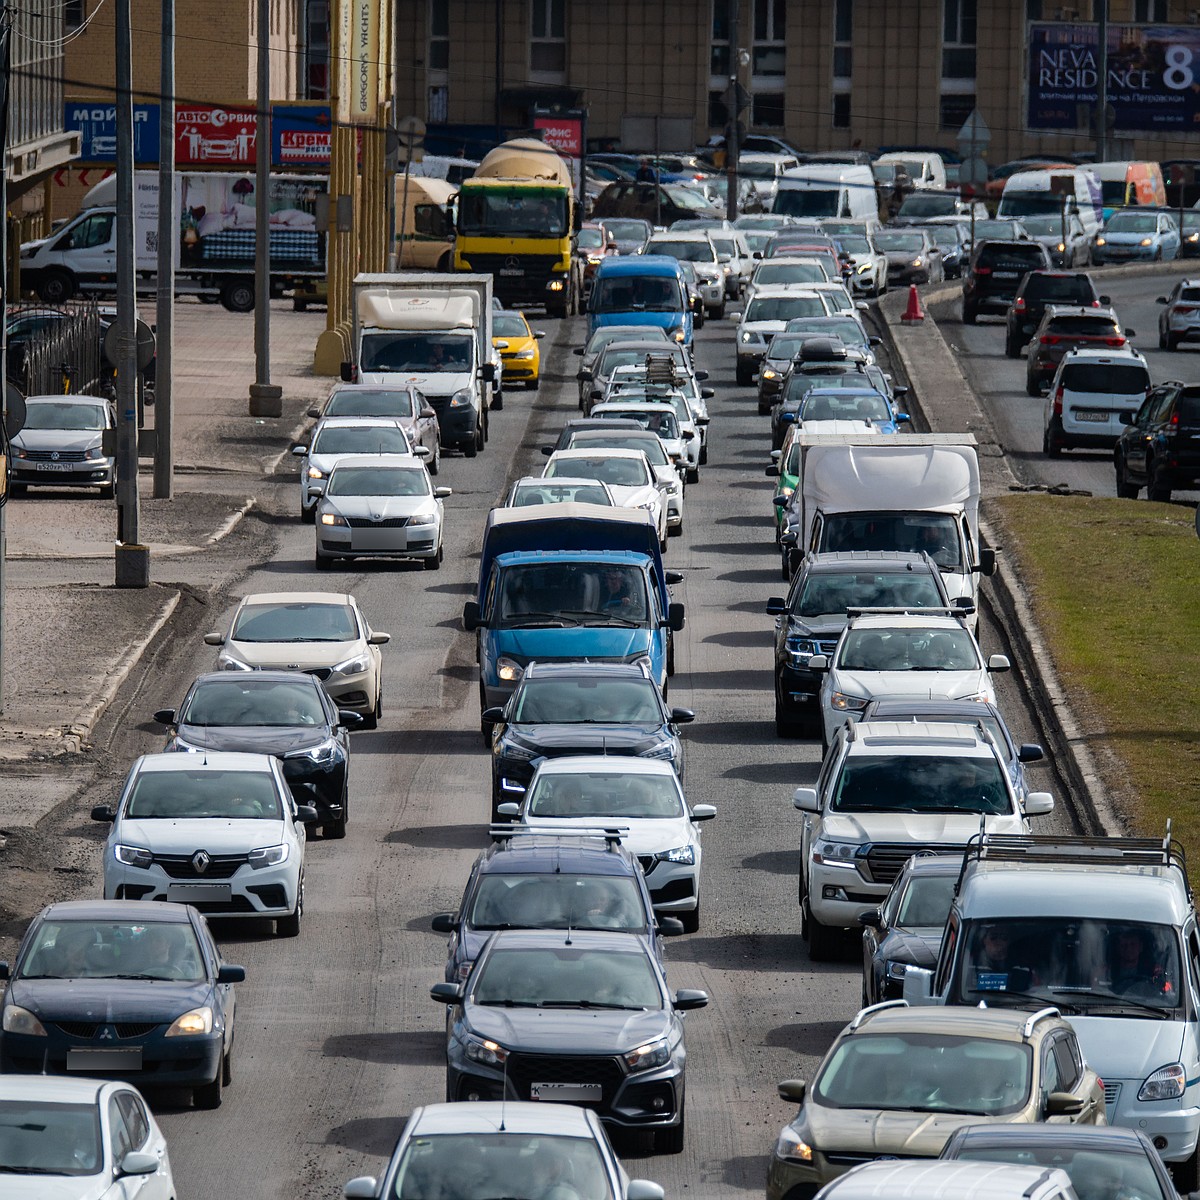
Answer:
(1192, 294)
(1189, 409)
(1106, 378)
(1077, 288)
(1083, 326)
(1011, 258)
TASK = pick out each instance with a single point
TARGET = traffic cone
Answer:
(913, 311)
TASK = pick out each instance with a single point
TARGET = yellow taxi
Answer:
(521, 359)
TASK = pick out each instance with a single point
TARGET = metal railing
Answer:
(67, 356)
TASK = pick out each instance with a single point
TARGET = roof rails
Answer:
(661, 368)
(867, 1013)
(1077, 851)
(1042, 1014)
(611, 834)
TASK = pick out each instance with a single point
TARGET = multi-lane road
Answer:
(337, 1037)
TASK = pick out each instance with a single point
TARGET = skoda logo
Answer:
(200, 861)
(54, 455)
(512, 261)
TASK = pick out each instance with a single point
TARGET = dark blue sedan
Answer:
(122, 989)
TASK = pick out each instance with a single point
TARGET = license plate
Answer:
(1083, 414)
(376, 539)
(200, 893)
(105, 1060)
(1004, 274)
(511, 271)
(52, 466)
(567, 1093)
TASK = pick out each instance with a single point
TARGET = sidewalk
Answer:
(69, 641)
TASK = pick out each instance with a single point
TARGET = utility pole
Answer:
(1101, 80)
(132, 559)
(168, 234)
(6, 20)
(732, 148)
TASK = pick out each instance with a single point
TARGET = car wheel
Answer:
(289, 926)
(1125, 489)
(969, 315)
(435, 563)
(497, 404)
(822, 941)
(675, 530)
(1032, 387)
(497, 800)
(56, 287)
(670, 658)
(691, 920)
(471, 448)
(533, 385)
(335, 830)
(227, 1068)
(1052, 447)
(670, 1140)
(1012, 347)
(308, 516)
(787, 725)
(371, 720)
(238, 295)
(718, 313)
(210, 1095)
(322, 562)
(1172, 342)
(18, 489)
(1162, 339)
(1156, 488)
(108, 491)
(745, 375)
(693, 475)
(1186, 1174)
(435, 461)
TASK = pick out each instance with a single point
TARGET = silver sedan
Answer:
(62, 444)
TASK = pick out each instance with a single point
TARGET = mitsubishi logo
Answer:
(512, 261)
(106, 1033)
(200, 861)
(54, 456)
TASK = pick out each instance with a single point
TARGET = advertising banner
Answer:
(563, 131)
(364, 61)
(1153, 76)
(97, 123)
(209, 135)
(300, 134)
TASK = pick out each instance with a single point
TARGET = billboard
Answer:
(211, 135)
(300, 135)
(97, 125)
(1153, 76)
(563, 131)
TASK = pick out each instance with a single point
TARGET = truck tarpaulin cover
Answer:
(861, 478)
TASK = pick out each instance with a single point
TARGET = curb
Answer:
(1009, 602)
(77, 733)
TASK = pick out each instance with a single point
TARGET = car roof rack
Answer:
(611, 835)
(661, 368)
(867, 1013)
(1042, 1014)
(1068, 850)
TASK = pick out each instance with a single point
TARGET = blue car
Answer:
(1136, 234)
(847, 404)
(643, 289)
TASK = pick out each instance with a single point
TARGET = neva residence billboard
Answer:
(1153, 76)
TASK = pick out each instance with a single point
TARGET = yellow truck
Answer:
(516, 222)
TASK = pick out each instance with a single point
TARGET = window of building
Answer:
(841, 110)
(316, 50)
(718, 109)
(770, 32)
(958, 39)
(955, 108)
(1145, 11)
(1033, 10)
(439, 35)
(74, 12)
(719, 67)
(439, 104)
(548, 32)
(843, 35)
(768, 109)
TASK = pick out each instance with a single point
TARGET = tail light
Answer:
(1095, 303)
(1049, 339)
(1019, 304)
(1114, 341)
(983, 270)
(1058, 395)
(1175, 420)
(1182, 308)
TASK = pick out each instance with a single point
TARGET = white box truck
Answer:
(432, 332)
(215, 216)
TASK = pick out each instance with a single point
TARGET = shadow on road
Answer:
(368, 1135)
(439, 837)
(423, 1048)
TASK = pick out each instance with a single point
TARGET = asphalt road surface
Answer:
(337, 1039)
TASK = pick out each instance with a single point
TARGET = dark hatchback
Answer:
(545, 880)
(1038, 290)
(1159, 449)
(580, 708)
(575, 1017)
(995, 272)
(121, 989)
(285, 713)
(811, 619)
(1069, 327)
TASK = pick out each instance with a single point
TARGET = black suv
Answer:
(812, 618)
(1160, 449)
(1039, 289)
(541, 880)
(579, 708)
(1068, 327)
(995, 273)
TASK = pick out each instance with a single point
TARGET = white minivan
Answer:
(1029, 194)
(925, 168)
(1090, 391)
(828, 190)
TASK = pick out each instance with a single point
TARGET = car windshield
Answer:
(192, 795)
(926, 902)
(845, 329)
(485, 211)
(651, 447)
(360, 439)
(558, 901)
(622, 356)
(605, 794)
(637, 293)
(1016, 259)
(926, 1072)
(856, 245)
(1096, 1174)
(590, 239)
(38, 1137)
(945, 235)
(569, 593)
(607, 334)
(998, 229)
(507, 325)
(935, 533)
(378, 481)
(690, 251)
(627, 231)
(661, 424)
(588, 702)
(757, 169)
(785, 272)
(1044, 226)
(908, 649)
(1112, 379)
(921, 783)
(845, 406)
(616, 472)
(240, 701)
(370, 402)
(132, 949)
(833, 592)
(808, 201)
(516, 1166)
(550, 493)
(566, 976)
(295, 621)
(1131, 223)
(783, 308)
(1093, 327)
(928, 204)
(1082, 964)
(908, 242)
(423, 353)
(1071, 289)
(1029, 204)
(64, 415)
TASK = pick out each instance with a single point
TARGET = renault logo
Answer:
(200, 861)
(512, 261)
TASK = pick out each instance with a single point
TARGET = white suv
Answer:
(1090, 391)
(888, 790)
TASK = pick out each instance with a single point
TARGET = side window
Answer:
(122, 1142)
(135, 1119)
(1193, 953)
(966, 533)
(941, 979)
(826, 773)
(1051, 1078)
(1143, 413)
(1162, 406)
(1066, 1059)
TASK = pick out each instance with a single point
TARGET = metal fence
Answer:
(67, 356)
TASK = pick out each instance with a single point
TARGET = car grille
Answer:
(89, 1029)
(1112, 1093)
(856, 1160)
(527, 1069)
(883, 861)
(321, 673)
(220, 866)
(56, 455)
(827, 647)
(385, 523)
(646, 861)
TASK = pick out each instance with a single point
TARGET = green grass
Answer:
(1115, 585)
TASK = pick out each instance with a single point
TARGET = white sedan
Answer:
(380, 506)
(642, 797)
(628, 474)
(79, 1139)
(217, 830)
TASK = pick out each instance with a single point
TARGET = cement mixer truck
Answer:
(516, 222)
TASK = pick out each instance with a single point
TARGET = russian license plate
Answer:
(52, 466)
(511, 271)
(1088, 414)
(200, 893)
(1005, 274)
(567, 1093)
(105, 1060)
(375, 539)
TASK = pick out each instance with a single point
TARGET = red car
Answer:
(593, 244)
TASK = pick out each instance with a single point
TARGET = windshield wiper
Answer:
(13, 1169)
(509, 1003)
(1110, 1000)
(591, 1004)
(608, 618)
(542, 616)
(986, 993)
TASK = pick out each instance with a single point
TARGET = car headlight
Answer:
(509, 671)
(329, 518)
(679, 854)
(463, 399)
(834, 854)
(650, 505)
(94, 452)
(267, 856)
(1193, 237)
(423, 519)
(515, 751)
(319, 753)
(789, 492)
(1167, 1083)
(767, 373)
(18, 452)
(844, 702)
(1101, 242)
(678, 334)
(649, 1056)
(198, 1021)
(132, 856)
(178, 744)
(978, 696)
(661, 750)
(1146, 242)
(800, 650)
(1061, 247)
(528, 353)
(643, 661)
(480, 1050)
(30, 251)
(464, 969)
(21, 1020)
(315, 473)
(862, 268)
(792, 1146)
(916, 262)
(594, 260)
(895, 971)
(352, 666)
(227, 662)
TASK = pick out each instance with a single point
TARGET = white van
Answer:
(925, 168)
(1028, 194)
(828, 190)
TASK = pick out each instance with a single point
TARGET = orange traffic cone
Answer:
(913, 311)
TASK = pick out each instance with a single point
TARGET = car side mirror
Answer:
(1130, 333)
(229, 973)
(707, 393)
(347, 372)
(987, 561)
(314, 412)
(165, 716)
(673, 576)
(818, 663)
(918, 986)
(428, 411)
(644, 1189)
(470, 616)
(446, 993)
(299, 450)
(903, 418)
(379, 639)
(687, 999)
(899, 390)
(790, 538)
(780, 500)
(307, 814)
(874, 341)
(871, 919)
(703, 812)
(998, 663)
(421, 452)
(804, 799)
(687, 434)
(138, 1162)
(441, 493)
(1030, 752)
(488, 371)
(669, 926)
(539, 334)
(493, 716)
(510, 808)
(444, 923)
(363, 1187)
(547, 450)
(578, 352)
(104, 812)
(701, 376)
(1063, 1104)
(772, 472)
(682, 716)
(350, 719)
(4, 965)
(793, 1089)
(585, 372)
(1158, 300)
(214, 639)
(776, 606)
(1125, 418)
(675, 617)
(1039, 804)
